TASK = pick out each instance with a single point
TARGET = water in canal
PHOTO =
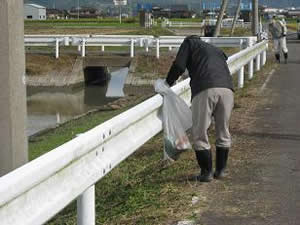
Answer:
(48, 107)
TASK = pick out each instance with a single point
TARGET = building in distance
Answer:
(34, 12)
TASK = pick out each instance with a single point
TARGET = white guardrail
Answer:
(131, 41)
(37, 191)
(225, 24)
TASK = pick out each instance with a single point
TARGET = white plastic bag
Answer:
(177, 119)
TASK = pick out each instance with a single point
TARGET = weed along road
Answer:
(263, 186)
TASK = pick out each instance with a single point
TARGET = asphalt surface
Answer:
(278, 126)
(263, 188)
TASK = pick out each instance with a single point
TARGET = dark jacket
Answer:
(206, 64)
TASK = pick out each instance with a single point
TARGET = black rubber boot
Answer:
(221, 162)
(285, 58)
(205, 162)
(277, 56)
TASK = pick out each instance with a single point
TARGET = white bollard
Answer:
(102, 48)
(57, 49)
(241, 78)
(86, 207)
(250, 70)
(157, 48)
(79, 48)
(132, 48)
(257, 63)
(170, 48)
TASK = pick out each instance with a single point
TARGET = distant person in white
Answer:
(278, 31)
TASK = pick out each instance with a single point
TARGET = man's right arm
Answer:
(179, 65)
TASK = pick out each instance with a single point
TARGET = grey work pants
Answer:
(217, 103)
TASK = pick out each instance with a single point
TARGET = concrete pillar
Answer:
(13, 113)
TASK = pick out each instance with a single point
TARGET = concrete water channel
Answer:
(49, 106)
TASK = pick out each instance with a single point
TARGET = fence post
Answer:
(86, 207)
(157, 48)
(57, 48)
(257, 64)
(241, 78)
(132, 48)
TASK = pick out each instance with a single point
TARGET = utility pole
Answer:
(236, 17)
(255, 17)
(13, 113)
(220, 17)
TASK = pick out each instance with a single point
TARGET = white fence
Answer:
(226, 23)
(35, 192)
(175, 42)
(131, 41)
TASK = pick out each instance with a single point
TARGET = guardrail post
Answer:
(264, 57)
(132, 48)
(146, 44)
(250, 42)
(141, 42)
(250, 69)
(66, 41)
(157, 48)
(83, 48)
(56, 48)
(86, 207)
(241, 78)
(257, 64)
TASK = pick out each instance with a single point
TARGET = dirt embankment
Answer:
(45, 70)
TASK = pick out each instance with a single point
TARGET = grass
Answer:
(239, 32)
(292, 26)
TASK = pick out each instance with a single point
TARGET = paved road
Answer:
(279, 123)
(263, 186)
